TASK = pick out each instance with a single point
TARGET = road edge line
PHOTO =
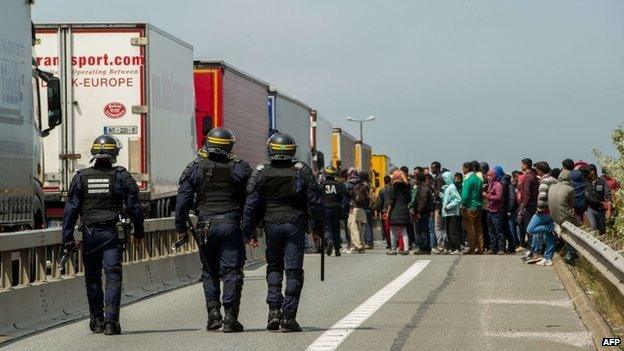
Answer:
(591, 319)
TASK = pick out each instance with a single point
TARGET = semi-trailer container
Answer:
(363, 153)
(21, 126)
(322, 135)
(343, 149)
(228, 97)
(288, 115)
(130, 80)
(380, 168)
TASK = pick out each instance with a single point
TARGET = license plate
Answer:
(121, 130)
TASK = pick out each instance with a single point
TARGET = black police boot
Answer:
(96, 324)
(215, 319)
(289, 324)
(230, 322)
(275, 316)
(112, 328)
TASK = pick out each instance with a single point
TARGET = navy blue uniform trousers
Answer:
(223, 257)
(284, 253)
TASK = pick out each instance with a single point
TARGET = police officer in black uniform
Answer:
(336, 200)
(98, 196)
(284, 194)
(215, 182)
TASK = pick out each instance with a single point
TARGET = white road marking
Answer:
(331, 339)
(555, 303)
(578, 339)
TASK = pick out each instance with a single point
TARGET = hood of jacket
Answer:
(564, 176)
(448, 178)
(499, 172)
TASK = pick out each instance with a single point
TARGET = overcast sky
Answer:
(451, 80)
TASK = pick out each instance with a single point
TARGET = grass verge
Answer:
(606, 298)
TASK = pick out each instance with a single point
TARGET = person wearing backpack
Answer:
(423, 204)
(359, 199)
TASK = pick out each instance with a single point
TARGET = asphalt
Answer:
(456, 302)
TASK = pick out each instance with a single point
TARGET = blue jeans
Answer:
(495, 230)
(513, 234)
(368, 228)
(549, 238)
(537, 241)
(433, 240)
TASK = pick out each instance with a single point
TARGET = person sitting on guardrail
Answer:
(561, 201)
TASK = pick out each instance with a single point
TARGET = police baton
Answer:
(322, 257)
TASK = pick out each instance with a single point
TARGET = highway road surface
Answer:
(367, 302)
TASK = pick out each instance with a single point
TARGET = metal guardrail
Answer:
(31, 257)
(607, 261)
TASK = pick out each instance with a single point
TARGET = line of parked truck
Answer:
(141, 84)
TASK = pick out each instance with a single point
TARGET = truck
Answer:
(322, 134)
(130, 80)
(22, 85)
(380, 168)
(363, 153)
(343, 149)
(225, 96)
(289, 115)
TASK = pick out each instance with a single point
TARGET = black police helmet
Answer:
(106, 146)
(281, 146)
(220, 140)
(331, 171)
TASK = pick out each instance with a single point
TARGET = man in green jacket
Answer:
(472, 203)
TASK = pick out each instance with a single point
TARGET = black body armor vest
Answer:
(218, 194)
(283, 204)
(100, 203)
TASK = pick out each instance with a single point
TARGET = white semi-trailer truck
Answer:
(21, 120)
(130, 80)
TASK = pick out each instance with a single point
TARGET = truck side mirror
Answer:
(55, 116)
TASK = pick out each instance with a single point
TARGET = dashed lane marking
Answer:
(331, 339)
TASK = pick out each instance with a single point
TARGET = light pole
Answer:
(360, 121)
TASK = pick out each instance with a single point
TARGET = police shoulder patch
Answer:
(300, 165)
(260, 167)
(128, 180)
(187, 171)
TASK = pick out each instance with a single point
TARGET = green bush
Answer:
(615, 169)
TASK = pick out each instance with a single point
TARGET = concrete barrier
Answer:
(35, 307)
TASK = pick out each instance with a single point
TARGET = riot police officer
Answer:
(283, 194)
(336, 200)
(215, 183)
(98, 195)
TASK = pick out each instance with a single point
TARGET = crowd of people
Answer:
(482, 210)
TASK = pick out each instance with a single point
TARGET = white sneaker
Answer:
(435, 251)
(456, 252)
(544, 262)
